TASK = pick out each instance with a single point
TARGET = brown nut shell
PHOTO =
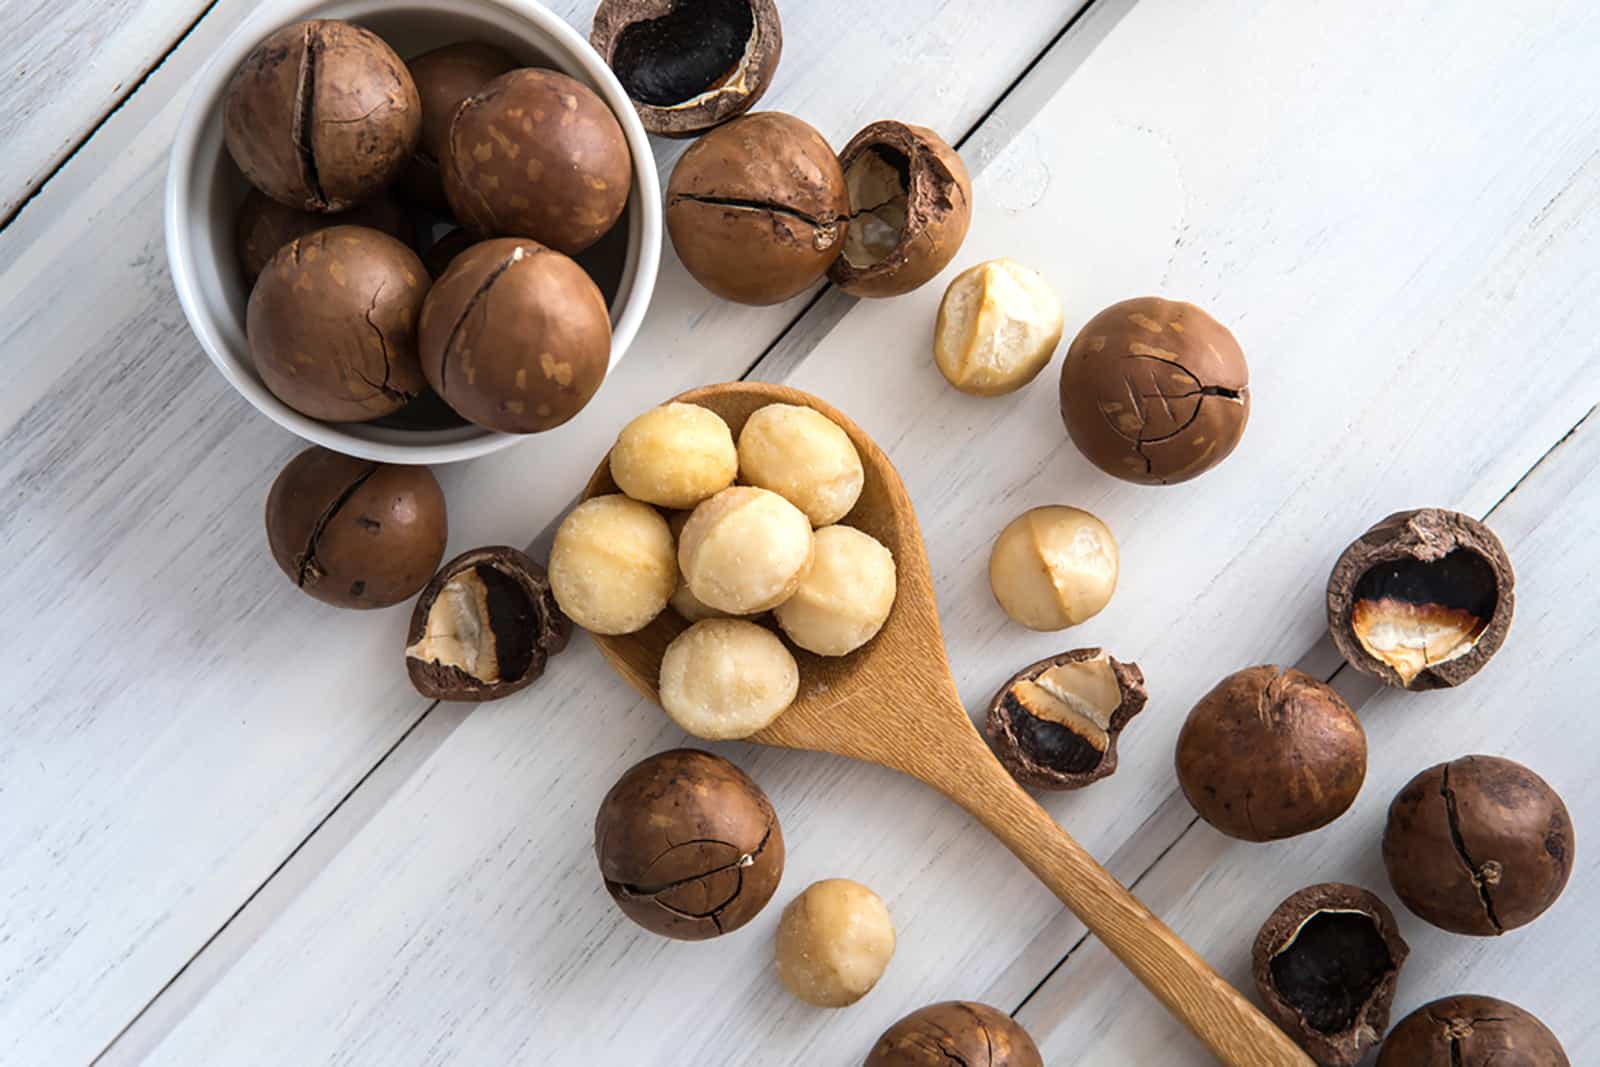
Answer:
(957, 1032)
(537, 154)
(1471, 1031)
(514, 336)
(757, 209)
(689, 846)
(689, 65)
(332, 324)
(321, 115)
(484, 627)
(263, 226)
(1055, 724)
(1155, 391)
(1325, 963)
(1422, 600)
(910, 206)
(1271, 753)
(353, 533)
(444, 77)
(1479, 845)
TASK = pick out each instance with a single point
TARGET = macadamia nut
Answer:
(999, 324)
(723, 679)
(745, 550)
(834, 941)
(675, 456)
(1053, 567)
(612, 567)
(801, 455)
(844, 599)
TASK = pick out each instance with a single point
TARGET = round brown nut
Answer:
(1422, 600)
(332, 324)
(686, 66)
(263, 226)
(1471, 1031)
(515, 337)
(1325, 963)
(955, 1032)
(353, 533)
(999, 323)
(758, 209)
(537, 154)
(689, 846)
(444, 77)
(834, 942)
(1271, 753)
(1155, 391)
(910, 206)
(484, 627)
(321, 115)
(1055, 724)
(1053, 567)
(1479, 845)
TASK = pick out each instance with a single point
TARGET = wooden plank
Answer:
(1307, 180)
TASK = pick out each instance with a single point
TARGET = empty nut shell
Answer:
(689, 66)
(1471, 1031)
(955, 1032)
(1055, 723)
(1325, 963)
(264, 226)
(484, 627)
(1422, 600)
(910, 206)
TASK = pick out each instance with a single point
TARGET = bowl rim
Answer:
(183, 263)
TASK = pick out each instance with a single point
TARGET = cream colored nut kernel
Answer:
(457, 632)
(803, 456)
(723, 679)
(674, 456)
(745, 550)
(845, 598)
(999, 324)
(612, 567)
(686, 604)
(1053, 567)
(834, 942)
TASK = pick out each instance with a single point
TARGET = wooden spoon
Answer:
(894, 703)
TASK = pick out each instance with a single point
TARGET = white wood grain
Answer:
(1381, 232)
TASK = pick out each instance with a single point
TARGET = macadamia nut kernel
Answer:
(612, 566)
(723, 679)
(744, 550)
(1053, 567)
(845, 597)
(834, 942)
(801, 455)
(999, 324)
(675, 456)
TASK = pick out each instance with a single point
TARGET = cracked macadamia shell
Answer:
(844, 597)
(1479, 845)
(537, 154)
(689, 65)
(1271, 753)
(1471, 1031)
(444, 78)
(1325, 964)
(612, 566)
(834, 942)
(999, 324)
(1053, 567)
(955, 1033)
(263, 226)
(688, 845)
(800, 454)
(321, 115)
(1055, 723)
(910, 206)
(353, 533)
(1422, 600)
(674, 456)
(745, 550)
(515, 337)
(1155, 391)
(723, 679)
(332, 324)
(757, 209)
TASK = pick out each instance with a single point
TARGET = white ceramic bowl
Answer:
(204, 191)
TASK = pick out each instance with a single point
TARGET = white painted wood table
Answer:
(231, 833)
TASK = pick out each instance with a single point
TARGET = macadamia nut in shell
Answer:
(674, 456)
(834, 942)
(844, 598)
(999, 324)
(612, 566)
(745, 550)
(800, 454)
(723, 679)
(1053, 567)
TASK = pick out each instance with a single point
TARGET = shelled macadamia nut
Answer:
(844, 598)
(1053, 567)
(745, 550)
(675, 456)
(834, 942)
(999, 324)
(612, 566)
(803, 456)
(723, 679)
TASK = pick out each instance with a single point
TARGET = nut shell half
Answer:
(955, 1032)
(1055, 723)
(1472, 1031)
